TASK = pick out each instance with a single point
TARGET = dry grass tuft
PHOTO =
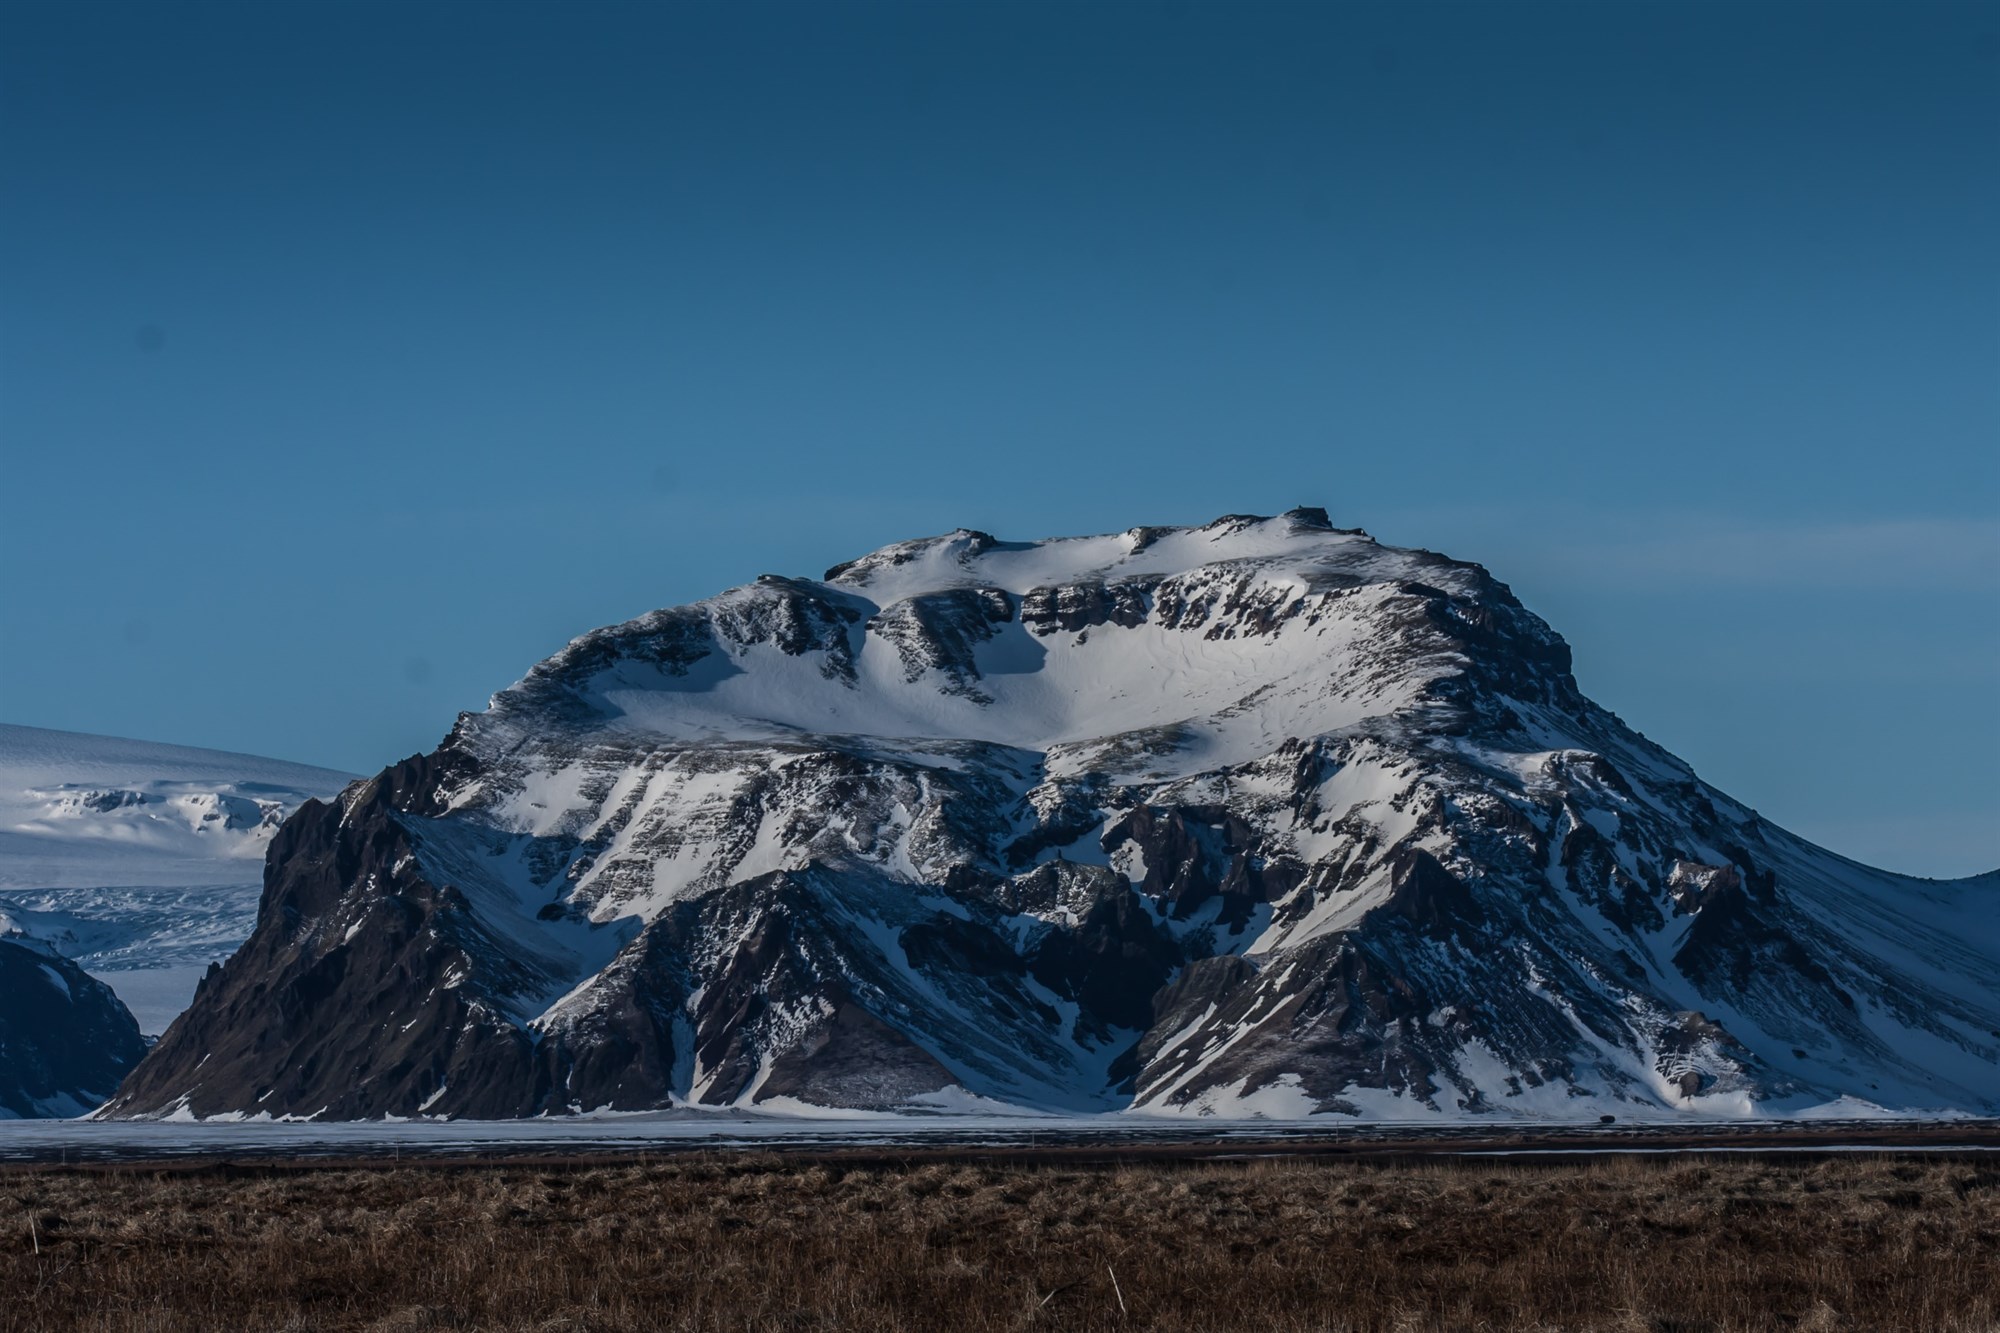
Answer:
(1627, 1245)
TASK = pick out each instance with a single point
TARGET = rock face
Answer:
(65, 1040)
(1259, 817)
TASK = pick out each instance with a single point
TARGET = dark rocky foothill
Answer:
(65, 1039)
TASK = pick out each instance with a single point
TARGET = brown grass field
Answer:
(1647, 1244)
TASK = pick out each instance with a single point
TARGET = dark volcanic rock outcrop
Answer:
(65, 1040)
(1260, 817)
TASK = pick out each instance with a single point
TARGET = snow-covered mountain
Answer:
(142, 862)
(1257, 817)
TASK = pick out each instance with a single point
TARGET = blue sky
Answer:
(354, 357)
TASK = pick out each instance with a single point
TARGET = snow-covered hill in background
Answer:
(140, 861)
(1262, 817)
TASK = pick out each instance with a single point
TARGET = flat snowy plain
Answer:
(711, 1131)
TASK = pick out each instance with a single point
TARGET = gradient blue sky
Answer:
(353, 357)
